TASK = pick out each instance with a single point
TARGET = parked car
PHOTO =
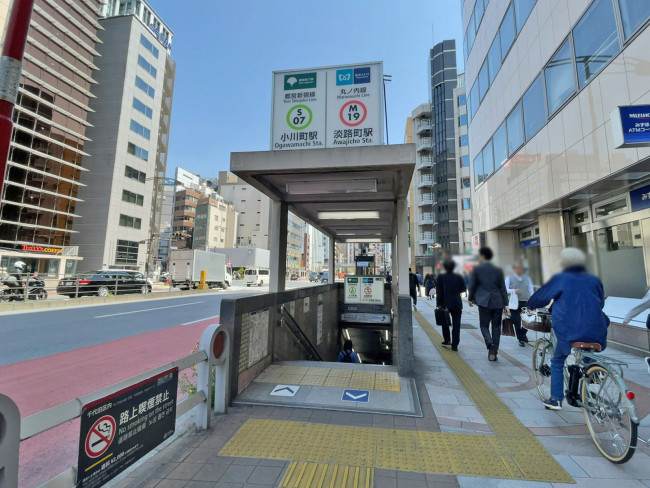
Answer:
(325, 277)
(104, 283)
(294, 276)
(314, 276)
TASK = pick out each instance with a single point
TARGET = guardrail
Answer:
(213, 354)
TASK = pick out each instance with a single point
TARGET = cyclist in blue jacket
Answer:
(577, 312)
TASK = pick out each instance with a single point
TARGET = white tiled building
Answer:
(543, 78)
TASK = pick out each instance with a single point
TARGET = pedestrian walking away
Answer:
(429, 284)
(487, 288)
(347, 355)
(449, 287)
(577, 314)
(521, 286)
(414, 288)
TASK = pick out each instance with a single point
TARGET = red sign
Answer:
(100, 436)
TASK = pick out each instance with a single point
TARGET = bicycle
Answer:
(593, 382)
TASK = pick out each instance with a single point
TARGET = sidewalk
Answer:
(467, 437)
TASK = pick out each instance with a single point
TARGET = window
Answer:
(488, 160)
(478, 169)
(467, 204)
(463, 141)
(534, 111)
(143, 63)
(139, 129)
(134, 174)
(140, 83)
(507, 32)
(515, 130)
(131, 197)
(464, 161)
(494, 59)
(523, 8)
(560, 84)
(462, 120)
(127, 252)
(634, 13)
(595, 40)
(462, 100)
(473, 100)
(141, 107)
(148, 45)
(133, 222)
(465, 182)
(483, 81)
(137, 151)
(500, 146)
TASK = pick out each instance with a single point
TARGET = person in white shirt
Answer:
(644, 305)
(521, 285)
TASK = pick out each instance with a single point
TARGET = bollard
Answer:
(215, 341)
(203, 285)
(9, 442)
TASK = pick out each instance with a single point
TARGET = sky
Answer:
(225, 52)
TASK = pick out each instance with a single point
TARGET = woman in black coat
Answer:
(449, 287)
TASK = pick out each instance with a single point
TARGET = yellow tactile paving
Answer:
(332, 377)
(318, 475)
(526, 455)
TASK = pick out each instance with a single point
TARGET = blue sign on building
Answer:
(530, 243)
(640, 198)
(635, 122)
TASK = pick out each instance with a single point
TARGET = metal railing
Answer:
(213, 354)
(303, 340)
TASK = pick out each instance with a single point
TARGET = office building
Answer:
(48, 157)
(421, 224)
(444, 132)
(551, 167)
(122, 199)
(215, 224)
(464, 188)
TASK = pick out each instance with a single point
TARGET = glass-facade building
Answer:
(545, 82)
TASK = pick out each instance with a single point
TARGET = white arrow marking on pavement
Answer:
(355, 397)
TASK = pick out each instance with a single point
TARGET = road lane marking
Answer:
(146, 310)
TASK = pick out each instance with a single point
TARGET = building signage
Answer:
(119, 429)
(327, 107)
(364, 289)
(631, 126)
(640, 198)
(530, 243)
(47, 250)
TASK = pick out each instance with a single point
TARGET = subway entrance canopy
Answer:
(350, 194)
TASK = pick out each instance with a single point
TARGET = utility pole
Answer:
(11, 67)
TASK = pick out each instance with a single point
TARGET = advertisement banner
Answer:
(337, 106)
(119, 429)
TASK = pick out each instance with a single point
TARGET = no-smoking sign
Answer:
(353, 113)
(100, 436)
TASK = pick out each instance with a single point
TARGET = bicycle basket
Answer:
(537, 321)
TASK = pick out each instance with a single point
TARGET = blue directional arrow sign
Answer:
(285, 390)
(359, 396)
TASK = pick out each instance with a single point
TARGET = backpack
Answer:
(347, 357)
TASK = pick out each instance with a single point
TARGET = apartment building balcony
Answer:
(424, 181)
(422, 125)
(423, 144)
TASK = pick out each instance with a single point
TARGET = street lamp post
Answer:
(11, 65)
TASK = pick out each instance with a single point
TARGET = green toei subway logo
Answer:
(299, 81)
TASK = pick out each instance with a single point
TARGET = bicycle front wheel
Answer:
(607, 412)
(542, 354)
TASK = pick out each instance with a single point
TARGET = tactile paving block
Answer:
(331, 377)
(317, 475)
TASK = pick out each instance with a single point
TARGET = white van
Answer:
(256, 276)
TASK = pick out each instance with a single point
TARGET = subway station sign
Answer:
(631, 126)
(339, 106)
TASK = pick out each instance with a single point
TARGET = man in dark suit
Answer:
(487, 288)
